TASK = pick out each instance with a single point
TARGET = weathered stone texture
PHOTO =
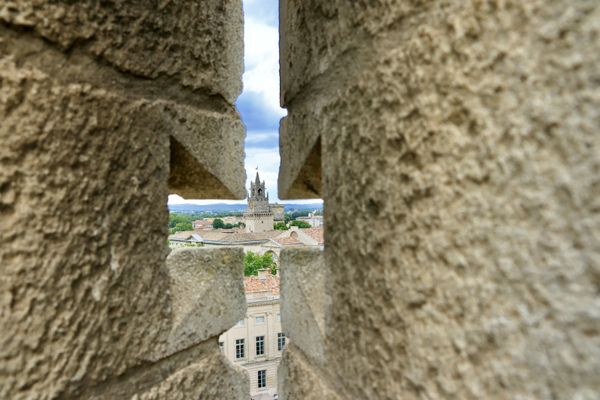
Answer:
(300, 147)
(300, 380)
(207, 296)
(304, 301)
(91, 109)
(197, 44)
(214, 377)
(461, 173)
(70, 253)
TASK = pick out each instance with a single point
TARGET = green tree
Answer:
(300, 224)
(218, 223)
(299, 213)
(254, 262)
(281, 226)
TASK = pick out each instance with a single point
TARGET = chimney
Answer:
(263, 274)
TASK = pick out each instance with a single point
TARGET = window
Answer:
(262, 378)
(221, 344)
(278, 317)
(280, 341)
(260, 320)
(240, 323)
(260, 345)
(239, 348)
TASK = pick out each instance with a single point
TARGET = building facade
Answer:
(257, 341)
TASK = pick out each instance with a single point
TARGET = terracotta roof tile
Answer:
(256, 284)
(315, 233)
(288, 241)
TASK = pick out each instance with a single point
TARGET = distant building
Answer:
(315, 221)
(203, 224)
(278, 211)
(256, 342)
(258, 242)
(185, 238)
(258, 216)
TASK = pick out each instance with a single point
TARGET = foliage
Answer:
(178, 222)
(192, 245)
(219, 224)
(281, 226)
(253, 262)
(300, 224)
(299, 213)
(183, 221)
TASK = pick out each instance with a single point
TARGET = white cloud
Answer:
(262, 63)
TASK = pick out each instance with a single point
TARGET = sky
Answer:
(259, 102)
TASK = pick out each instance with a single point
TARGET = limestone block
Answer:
(194, 44)
(314, 35)
(72, 254)
(303, 300)
(300, 150)
(86, 298)
(207, 153)
(201, 132)
(213, 377)
(200, 372)
(460, 174)
(298, 379)
(207, 295)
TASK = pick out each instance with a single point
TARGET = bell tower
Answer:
(258, 198)
(258, 216)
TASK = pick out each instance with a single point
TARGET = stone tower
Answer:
(258, 198)
(258, 216)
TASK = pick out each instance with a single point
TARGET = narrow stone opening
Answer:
(262, 225)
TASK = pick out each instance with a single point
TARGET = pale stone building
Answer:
(278, 211)
(257, 341)
(260, 214)
(315, 221)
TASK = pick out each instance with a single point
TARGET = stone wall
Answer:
(455, 145)
(105, 109)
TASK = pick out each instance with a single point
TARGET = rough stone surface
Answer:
(94, 115)
(303, 300)
(201, 129)
(200, 139)
(207, 295)
(194, 44)
(300, 380)
(72, 255)
(300, 168)
(317, 33)
(214, 377)
(461, 173)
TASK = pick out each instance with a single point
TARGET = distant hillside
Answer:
(193, 208)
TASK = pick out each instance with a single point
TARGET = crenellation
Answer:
(103, 115)
(148, 40)
(456, 148)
